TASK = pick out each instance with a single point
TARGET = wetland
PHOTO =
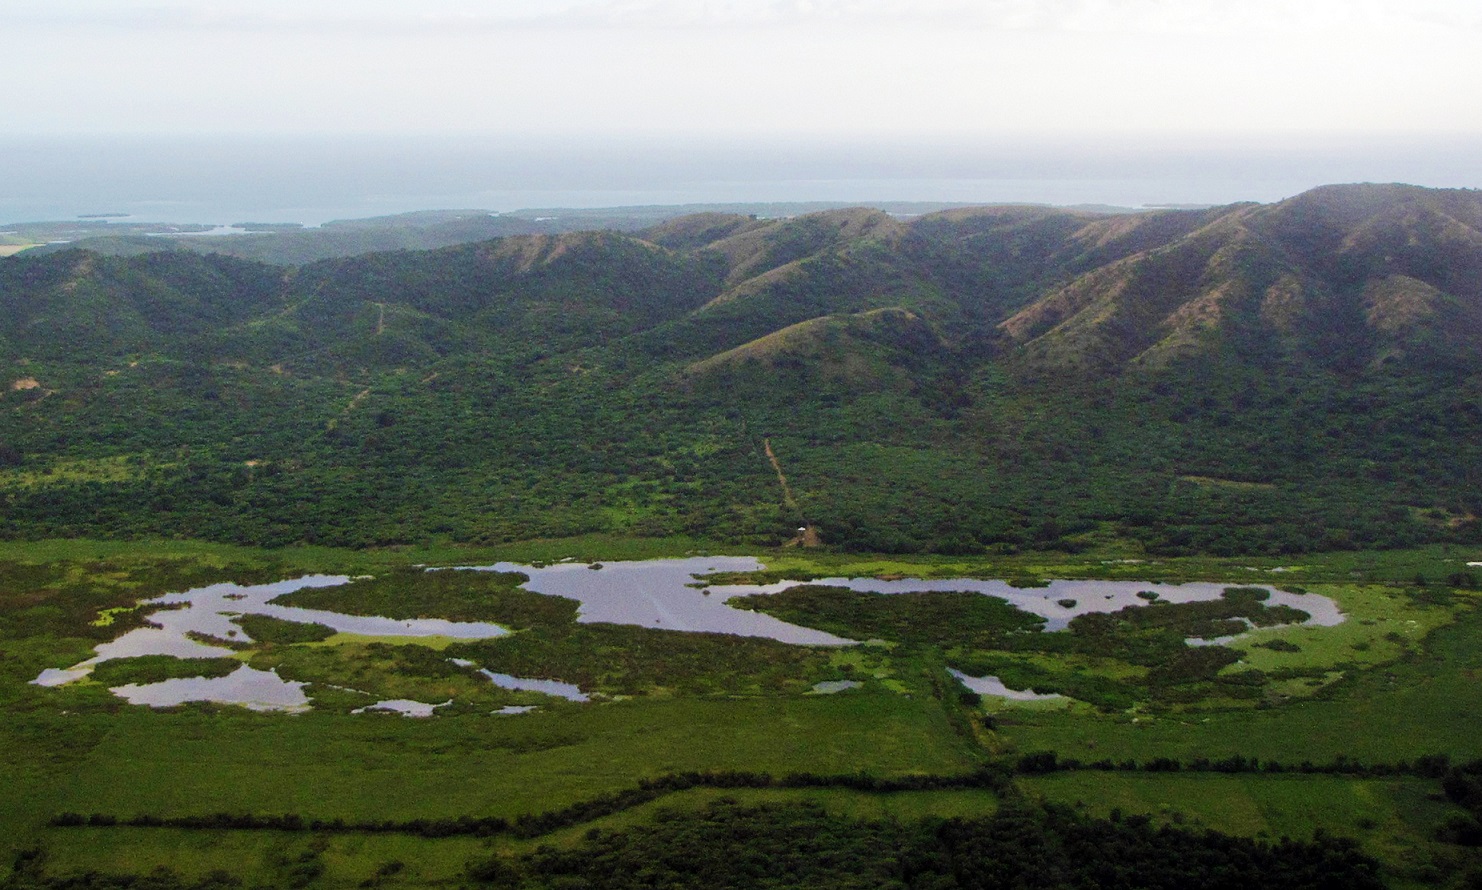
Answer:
(556, 695)
(677, 595)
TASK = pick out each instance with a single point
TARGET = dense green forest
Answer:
(1248, 379)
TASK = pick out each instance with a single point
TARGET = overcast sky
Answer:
(303, 110)
(992, 69)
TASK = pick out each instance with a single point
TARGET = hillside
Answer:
(1339, 277)
(1244, 379)
(292, 244)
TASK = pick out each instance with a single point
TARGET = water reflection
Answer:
(248, 687)
(994, 686)
(1060, 601)
(656, 593)
(210, 613)
(568, 691)
(666, 594)
(403, 706)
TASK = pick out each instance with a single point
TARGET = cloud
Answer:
(741, 66)
(461, 16)
(1146, 16)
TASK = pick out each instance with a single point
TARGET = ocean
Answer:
(308, 179)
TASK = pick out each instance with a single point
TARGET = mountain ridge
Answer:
(976, 378)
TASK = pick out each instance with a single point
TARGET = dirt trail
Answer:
(380, 319)
(807, 535)
(354, 403)
(787, 497)
(359, 397)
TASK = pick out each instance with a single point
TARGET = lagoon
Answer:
(671, 594)
(663, 594)
(250, 688)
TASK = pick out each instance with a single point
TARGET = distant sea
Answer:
(310, 180)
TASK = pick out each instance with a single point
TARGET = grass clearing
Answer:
(352, 675)
(1392, 819)
(263, 858)
(1252, 805)
(1380, 625)
(75, 471)
(1235, 484)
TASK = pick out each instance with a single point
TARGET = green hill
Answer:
(973, 379)
(1339, 277)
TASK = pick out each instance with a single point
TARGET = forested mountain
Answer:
(294, 244)
(1251, 378)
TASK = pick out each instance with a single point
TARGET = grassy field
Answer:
(1393, 819)
(327, 766)
(265, 858)
(389, 767)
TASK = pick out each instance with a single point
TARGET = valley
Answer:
(576, 555)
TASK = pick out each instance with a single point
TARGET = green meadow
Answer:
(1390, 818)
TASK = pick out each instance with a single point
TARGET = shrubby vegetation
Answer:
(932, 618)
(803, 846)
(493, 597)
(555, 386)
(1113, 660)
(267, 629)
(729, 845)
(623, 660)
(1463, 787)
(155, 668)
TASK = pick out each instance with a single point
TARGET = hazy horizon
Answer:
(304, 110)
(810, 68)
(312, 179)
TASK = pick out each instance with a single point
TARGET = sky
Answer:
(833, 67)
(1249, 81)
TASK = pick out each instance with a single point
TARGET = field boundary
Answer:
(537, 824)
